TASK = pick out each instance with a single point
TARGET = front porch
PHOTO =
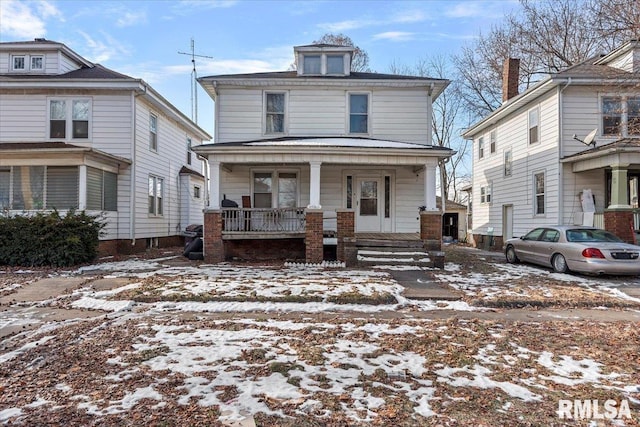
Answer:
(298, 234)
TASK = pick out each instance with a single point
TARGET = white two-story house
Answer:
(77, 135)
(322, 148)
(566, 151)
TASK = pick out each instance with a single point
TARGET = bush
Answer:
(49, 239)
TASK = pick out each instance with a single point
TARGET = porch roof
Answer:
(324, 149)
(60, 153)
(622, 152)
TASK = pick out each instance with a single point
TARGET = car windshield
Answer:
(582, 235)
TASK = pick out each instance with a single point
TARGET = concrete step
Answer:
(375, 243)
(370, 257)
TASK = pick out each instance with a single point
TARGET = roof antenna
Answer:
(194, 80)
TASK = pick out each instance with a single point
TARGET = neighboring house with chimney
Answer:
(77, 135)
(320, 155)
(566, 151)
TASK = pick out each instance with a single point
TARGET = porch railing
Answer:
(256, 220)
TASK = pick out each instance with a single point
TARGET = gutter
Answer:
(561, 152)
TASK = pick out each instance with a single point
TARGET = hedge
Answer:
(49, 239)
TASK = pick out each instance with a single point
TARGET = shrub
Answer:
(49, 239)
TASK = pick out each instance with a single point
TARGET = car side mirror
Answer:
(521, 237)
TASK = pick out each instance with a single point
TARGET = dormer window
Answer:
(19, 63)
(335, 64)
(324, 60)
(37, 62)
(312, 64)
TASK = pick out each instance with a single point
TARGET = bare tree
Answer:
(547, 36)
(445, 126)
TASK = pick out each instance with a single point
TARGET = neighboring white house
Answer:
(322, 139)
(575, 133)
(76, 135)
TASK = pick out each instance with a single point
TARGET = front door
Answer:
(368, 204)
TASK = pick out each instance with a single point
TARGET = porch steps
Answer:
(369, 256)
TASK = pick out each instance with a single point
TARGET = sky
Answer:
(143, 39)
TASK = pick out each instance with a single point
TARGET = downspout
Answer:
(561, 154)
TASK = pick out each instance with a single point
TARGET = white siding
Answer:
(527, 159)
(23, 118)
(397, 114)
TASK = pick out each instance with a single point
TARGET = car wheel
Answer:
(510, 253)
(559, 263)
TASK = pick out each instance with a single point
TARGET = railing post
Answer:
(345, 232)
(213, 243)
(313, 236)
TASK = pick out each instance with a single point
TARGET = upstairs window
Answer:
(189, 151)
(621, 115)
(275, 106)
(19, 62)
(611, 116)
(492, 141)
(312, 64)
(485, 194)
(534, 124)
(153, 132)
(60, 110)
(358, 113)
(481, 147)
(335, 64)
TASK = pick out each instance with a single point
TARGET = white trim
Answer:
(347, 130)
(275, 172)
(285, 124)
(69, 100)
(535, 194)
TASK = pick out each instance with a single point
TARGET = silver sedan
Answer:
(574, 248)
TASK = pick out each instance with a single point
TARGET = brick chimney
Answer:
(510, 75)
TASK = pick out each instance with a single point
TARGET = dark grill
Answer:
(624, 255)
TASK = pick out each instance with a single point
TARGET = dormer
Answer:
(323, 60)
(40, 56)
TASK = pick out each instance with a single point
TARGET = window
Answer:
(153, 132)
(80, 119)
(507, 163)
(189, 151)
(287, 190)
(534, 124)
(156, 195)
(539, 203)
(387, 196)
(5, 188)
(79, 110)
(633, 116)
(275, 113)
(196, 191)
(611, 116)
(358, 113)
(349, 192)
(275, 189)
(262, 184)
(39, 187)
(37, 63)
(481, 147)
(492, 141)
(485, 194)
(19, 62)
(312, 64)
(335, 64)
(102, 190)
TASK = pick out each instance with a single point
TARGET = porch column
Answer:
(431, 230)
(314, 185)
(314, 251)
(430, 186)
(214, 185)
(82, 187)
(618, 217)
(619, 184)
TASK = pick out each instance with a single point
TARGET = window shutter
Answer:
(5, 178)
